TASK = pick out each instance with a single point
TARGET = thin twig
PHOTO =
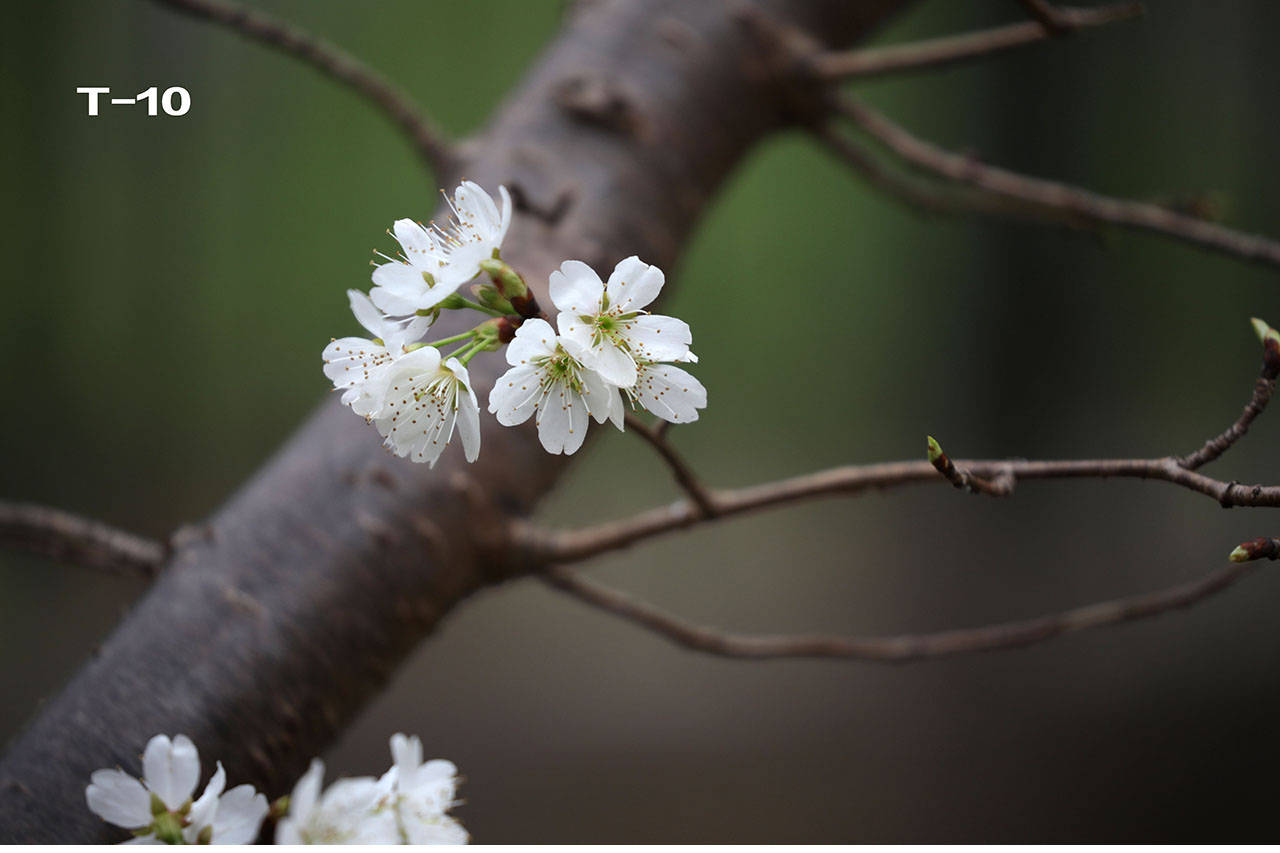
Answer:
(1045, 15)
(1263, 389)
(81, 541)
(687, 480)
(335, 62)
(895, 649)
(932, 53)
(569, 546)
(1081, 203)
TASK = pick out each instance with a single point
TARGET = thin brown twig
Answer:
(329, 59)
(1263, 389)
(933, 53)
(1046, 15)
(1049, 195)
(81, 541)
(687, 480)
(895, 649)
(569, 546)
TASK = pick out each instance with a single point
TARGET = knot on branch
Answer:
(601, 101)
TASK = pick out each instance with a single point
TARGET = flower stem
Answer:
(476, 306)
(470, 333)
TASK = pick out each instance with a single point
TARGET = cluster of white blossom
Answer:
(408, 804)
(609, 351)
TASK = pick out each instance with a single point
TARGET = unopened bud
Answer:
(509, 282)
(1270, 348)
(935, 450)
(489, 334)
(489, 296)
(1263, 548)
(452, 302)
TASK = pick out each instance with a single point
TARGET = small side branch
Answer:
(70, 538)
(1263, 390)
(934, 53)
(1049, 195)
(656, 436)
(894, 649)
(543, 548)
(430, 143)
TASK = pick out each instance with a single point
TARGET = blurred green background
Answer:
(171, 281)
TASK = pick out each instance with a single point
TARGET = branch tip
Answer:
(1263, 548)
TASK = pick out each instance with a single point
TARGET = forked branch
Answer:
(329, 59)
(553, 551)
(1056, 198)
(937, 52)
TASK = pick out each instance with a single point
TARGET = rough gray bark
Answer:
(266, 633)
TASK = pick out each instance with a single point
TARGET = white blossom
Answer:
(545, 378)
(423, 401)
(436, 259)
(667, 391)
(350, 811)
(423, 792)
(358, 366)
(158, 809)
(606, 327)
(406, 805)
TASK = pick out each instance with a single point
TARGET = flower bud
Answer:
(490, 297)
(509, 282)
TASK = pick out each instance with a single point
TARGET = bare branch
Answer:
(895, 649)
(1263, 389)
(329, 59)
(657, 439)
(80, 541)
(929, 197)
(1085, 205)
(933, 53)
(569, 546)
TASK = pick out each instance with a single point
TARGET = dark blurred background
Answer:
(171, 281)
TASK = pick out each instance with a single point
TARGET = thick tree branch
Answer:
(1048, 195)
(80, 541)
(894, 649)
(264, 638)
(331, 60)
(947, 50)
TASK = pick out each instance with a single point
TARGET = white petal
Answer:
(240, 814)
(204, 809)
(118, 798)
(670, 393)
(302, 800)
(615, 365)
(553, 418)
(576, 289)
(534, 338)
(393, 302)
(633, 285)
(603, 401)
(367, 315)
(655, 337)
(469, 424)
(401, 279)
(287, 832)
(406, 753)
(415, 240)
(515, 394)
(171, 769)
